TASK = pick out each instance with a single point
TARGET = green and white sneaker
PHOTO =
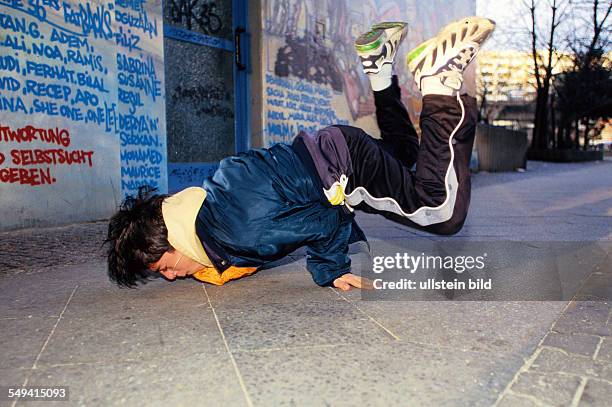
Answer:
(378, 46)
(448, 54)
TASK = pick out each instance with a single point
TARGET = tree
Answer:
(543, 54)
(584, 93)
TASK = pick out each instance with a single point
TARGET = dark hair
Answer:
(137, 236)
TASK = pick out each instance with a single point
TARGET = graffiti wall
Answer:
(311, 74)
(82, 119)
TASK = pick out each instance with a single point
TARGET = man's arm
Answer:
(328, 260)
(329, 263)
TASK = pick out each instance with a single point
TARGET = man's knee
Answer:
(351, 134)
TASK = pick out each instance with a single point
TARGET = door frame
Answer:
(183, 175)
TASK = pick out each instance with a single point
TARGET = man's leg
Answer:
(377, 49)
(436, 197)
(396, 129)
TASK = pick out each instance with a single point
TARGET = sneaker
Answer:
(450, 52)
(379, 45)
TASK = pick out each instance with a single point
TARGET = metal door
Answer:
(205, 54)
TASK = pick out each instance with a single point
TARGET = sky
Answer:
(512, 18)
(504, 13)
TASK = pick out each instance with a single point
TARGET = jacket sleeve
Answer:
(328, 259)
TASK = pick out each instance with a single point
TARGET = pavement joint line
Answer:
(598, 347)
(579, 391)
(42, 349)
(531, 359)
(529, 397)
(387, 330)
(566, 353)
(290, 348)
(94, 362)
(247, 398)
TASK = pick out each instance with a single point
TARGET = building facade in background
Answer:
(506, 83)
(98, 98)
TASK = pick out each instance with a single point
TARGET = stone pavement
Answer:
(278, 339)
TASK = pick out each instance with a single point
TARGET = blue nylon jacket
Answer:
(264, 204)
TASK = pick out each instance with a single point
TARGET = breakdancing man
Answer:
(265, 203)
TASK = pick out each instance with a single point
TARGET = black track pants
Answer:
(436, 196)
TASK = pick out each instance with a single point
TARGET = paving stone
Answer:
(28, 296)
(162, 380)
(22, 340)
(488, 327)
(598, 287)
(515, 400)
(289, 325)
(585, 317)
(111, 324)
(552, 389)
(12, 378)
(596, 394)
(363, 375)
(289, 283)
(584, 345)
(557, 361)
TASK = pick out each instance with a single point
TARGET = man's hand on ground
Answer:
(346, 281)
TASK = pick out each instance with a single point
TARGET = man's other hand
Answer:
(349, 280)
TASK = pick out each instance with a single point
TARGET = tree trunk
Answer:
(577, 137)
(586, 136)
(553, 133)
(540, 129)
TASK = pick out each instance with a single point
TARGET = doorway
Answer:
(207, 111)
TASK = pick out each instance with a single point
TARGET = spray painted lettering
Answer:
(198, 13)
(43, 160)
(293, 106)
(56, 62)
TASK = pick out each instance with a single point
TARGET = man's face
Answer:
(174, 264)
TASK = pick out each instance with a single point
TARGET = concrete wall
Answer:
(82, 80)
(500, 149)
(310, 75)
(86, 79)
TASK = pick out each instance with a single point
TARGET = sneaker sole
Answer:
(373, 38)
(419, 54)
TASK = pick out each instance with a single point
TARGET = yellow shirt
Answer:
(180, 212)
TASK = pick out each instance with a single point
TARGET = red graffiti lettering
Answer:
(51, 156)
(31, 176)
(29, 134)
(24, 163)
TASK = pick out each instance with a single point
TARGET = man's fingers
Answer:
(344, 286)
(341, 284)
(346, 281)
(359, 282)
(354, 280)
